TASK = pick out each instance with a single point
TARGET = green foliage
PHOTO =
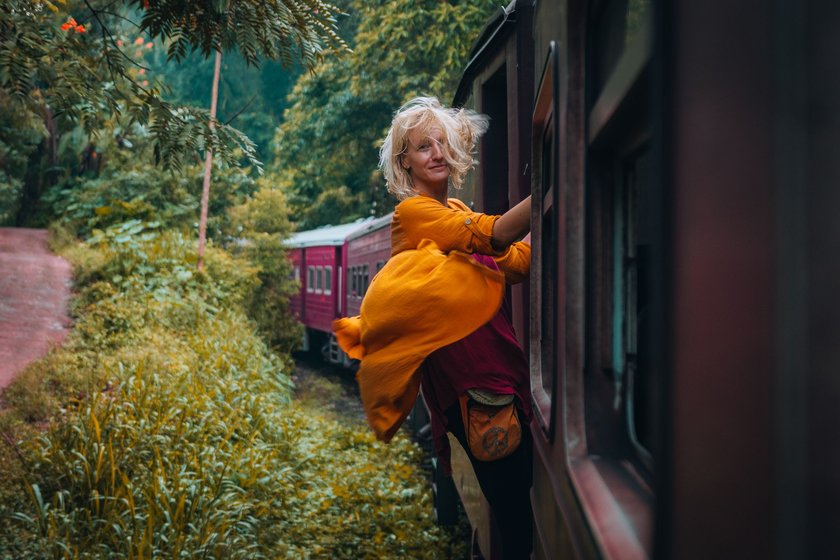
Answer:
(20, 134)
(274, 29)
(171, 433)
(159, 462)
(251, 98)
(133, 189)
(357, 497)
(57, 74)
(263, 224)
(143, 192)
(326, 150)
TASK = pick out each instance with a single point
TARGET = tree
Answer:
(283, 30)
(51, 65)
(326, 148)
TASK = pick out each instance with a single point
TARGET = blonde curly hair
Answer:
(461, 130)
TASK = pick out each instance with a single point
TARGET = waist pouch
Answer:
(493, 431)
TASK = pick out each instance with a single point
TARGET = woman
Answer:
(432, 314)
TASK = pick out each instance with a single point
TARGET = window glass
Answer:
(310, 278)
(319, 279)
(327, 280)
(620, 233)
(617, 24)
(546, 312)
(638, 245)
(548, 260)
(365, 280)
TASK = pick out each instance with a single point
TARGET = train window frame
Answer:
(610, 479)
(615, 137)
(353, 285)
(319, 279)
(546, 124)
(328, 280)
(637, 209)
(365, 279)
(310, 279)
(338, 289)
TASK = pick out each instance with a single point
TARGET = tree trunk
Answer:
(40, 175)
(208, 163)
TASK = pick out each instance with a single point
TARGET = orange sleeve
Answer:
(452, 228)
(515, 262)
(348, 333)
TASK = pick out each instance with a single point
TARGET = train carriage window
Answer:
(339, 278)
(621, 235)
(494, 144)
(365, 274)
(328, 280)
(640, 238)
(546, 311)
(310, 279)
(319, 279)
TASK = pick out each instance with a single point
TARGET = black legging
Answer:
(506, 483)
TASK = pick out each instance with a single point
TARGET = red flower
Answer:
(71, 24)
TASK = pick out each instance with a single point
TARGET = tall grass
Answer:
(170, 430)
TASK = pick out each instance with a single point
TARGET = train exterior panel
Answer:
(319, 260)
(367, 250)
(319, 294)
(684, 198)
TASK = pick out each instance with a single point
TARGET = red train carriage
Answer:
(368, 249)
(319, 259)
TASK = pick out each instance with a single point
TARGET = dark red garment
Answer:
(490, 358)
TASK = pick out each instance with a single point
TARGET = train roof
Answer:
(495, 30)
(373, 225)
(326, 235)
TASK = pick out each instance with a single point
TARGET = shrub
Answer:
(262, 223)
(171, 433)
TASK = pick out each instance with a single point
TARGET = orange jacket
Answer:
(428, 295)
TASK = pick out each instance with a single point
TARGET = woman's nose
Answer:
(437, 153)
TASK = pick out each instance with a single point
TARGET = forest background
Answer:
(165, 423)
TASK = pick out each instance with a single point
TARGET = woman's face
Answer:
(425, 161)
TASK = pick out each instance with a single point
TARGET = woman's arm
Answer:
(512, 225)
(455, 227)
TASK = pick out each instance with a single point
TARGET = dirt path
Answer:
(34, 292)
